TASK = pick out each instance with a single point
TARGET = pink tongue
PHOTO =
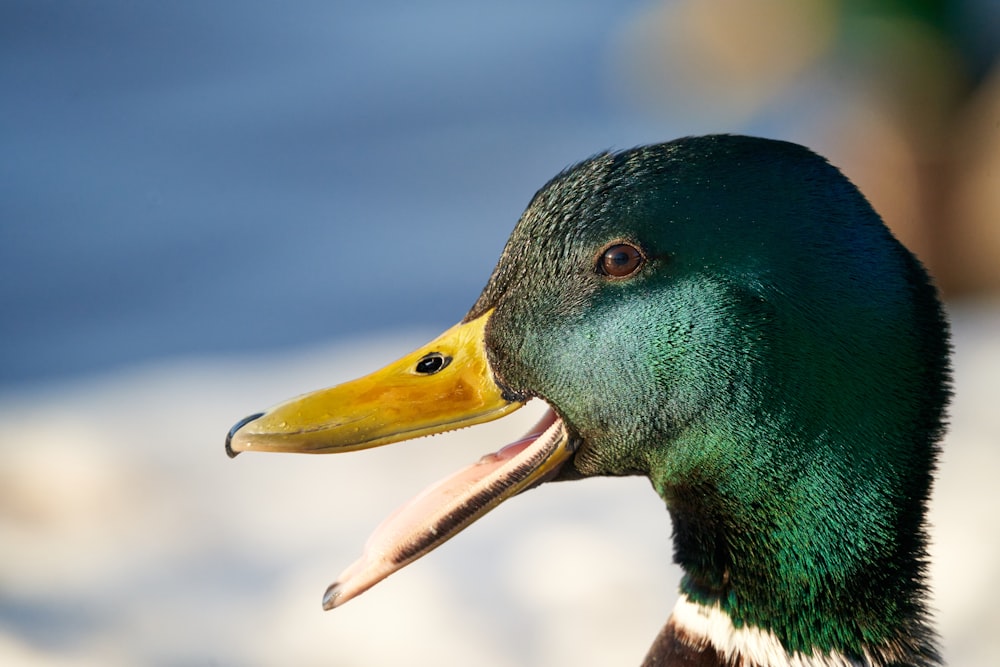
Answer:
(435, 514)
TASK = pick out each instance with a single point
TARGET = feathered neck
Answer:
(701, 636)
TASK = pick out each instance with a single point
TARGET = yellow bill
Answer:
(447, 384)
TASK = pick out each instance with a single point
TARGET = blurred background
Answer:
(208, 207)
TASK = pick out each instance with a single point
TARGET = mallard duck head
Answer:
(728, 317)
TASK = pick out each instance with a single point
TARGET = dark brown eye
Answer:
(620, 260)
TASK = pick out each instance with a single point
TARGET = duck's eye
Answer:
(431, 363)
(620, 260)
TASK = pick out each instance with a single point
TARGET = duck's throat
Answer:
(813, 577)
(699, 635)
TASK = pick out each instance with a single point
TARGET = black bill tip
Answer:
(240, 424)
(331, 596)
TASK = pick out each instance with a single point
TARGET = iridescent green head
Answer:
(775, 361)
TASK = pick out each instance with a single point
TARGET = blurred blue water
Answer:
(196, 178)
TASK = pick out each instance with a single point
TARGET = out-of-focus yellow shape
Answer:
(975, 212)
(721, 58)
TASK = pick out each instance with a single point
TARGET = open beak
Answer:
(445, 385)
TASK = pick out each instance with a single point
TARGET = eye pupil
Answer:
(621, 260)
(432, 363)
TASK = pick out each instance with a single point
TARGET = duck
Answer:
(730, 318)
